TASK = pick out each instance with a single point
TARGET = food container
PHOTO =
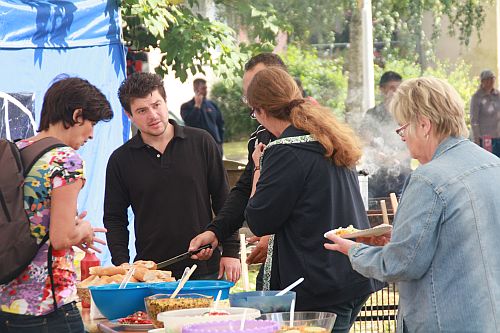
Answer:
(116, 303)
(158, 303)
(203, 287)
(174, 321)
(304, 322)
(233, 326)
(265, 301)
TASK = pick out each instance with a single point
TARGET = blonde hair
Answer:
(275, 91)
(434, 99)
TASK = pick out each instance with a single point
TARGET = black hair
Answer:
(388, 77)
(139, 85)
(67, 94)
(267, 58)
(198, 82)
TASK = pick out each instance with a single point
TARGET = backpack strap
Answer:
(29, 156)
(33, 152)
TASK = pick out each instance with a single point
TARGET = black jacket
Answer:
(301, 195)
(231, 217)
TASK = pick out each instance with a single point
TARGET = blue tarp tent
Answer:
(41, 39)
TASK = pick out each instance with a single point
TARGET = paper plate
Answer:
(375, 231)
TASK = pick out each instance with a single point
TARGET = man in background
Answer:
(201, 112)
(485, 113)
(385, 157)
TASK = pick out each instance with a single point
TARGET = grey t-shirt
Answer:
(485, 114)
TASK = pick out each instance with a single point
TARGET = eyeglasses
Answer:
(401, 130)
(252, 114)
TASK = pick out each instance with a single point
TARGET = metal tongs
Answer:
(183, 256)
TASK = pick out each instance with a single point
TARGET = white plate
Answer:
(375, 231)
(133, 327)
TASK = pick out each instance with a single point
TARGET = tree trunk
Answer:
(354, 65)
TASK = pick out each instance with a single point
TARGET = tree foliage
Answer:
(190, 41)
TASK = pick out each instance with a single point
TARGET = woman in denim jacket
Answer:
(443, 252)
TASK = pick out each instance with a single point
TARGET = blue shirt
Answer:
(444, 248)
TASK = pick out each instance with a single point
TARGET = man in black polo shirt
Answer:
(172, 177)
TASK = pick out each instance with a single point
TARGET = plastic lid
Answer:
(233, 326)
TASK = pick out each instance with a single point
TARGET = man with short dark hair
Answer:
(485, 113)
(200, 112)
(172, 177)
(231, 216)
(385, 157)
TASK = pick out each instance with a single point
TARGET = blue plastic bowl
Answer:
(203, 287)
(117, 303)
(265, 301)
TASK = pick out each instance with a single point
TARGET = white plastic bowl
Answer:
(173, 321)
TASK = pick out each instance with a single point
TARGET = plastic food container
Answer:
(158, 303)
(116, 303)
(233, 326)
(204, 287)
(174, 321)
(265, 301)
(304, 322)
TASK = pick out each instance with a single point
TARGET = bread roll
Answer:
(139, 273)
(158, 276)
(107, 271)
(145, 264)
(90, 281)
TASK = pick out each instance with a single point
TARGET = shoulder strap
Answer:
(288, 140)
(33, 152)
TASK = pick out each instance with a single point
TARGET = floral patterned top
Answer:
(31, 292)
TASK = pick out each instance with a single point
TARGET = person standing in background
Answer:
(485, 112)
(385, 157)
(200, 112)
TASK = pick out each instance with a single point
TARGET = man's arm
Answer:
(230, 218)
(116, 203)
(190, 113)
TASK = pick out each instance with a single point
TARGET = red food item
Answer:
(139, 317)
(216, 313)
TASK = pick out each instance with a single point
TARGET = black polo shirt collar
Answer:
(137, 142)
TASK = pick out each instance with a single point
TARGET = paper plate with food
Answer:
(351, 232)
(138, 321)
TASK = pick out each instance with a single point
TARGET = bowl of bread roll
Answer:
(113, 302)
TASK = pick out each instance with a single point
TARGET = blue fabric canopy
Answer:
(39, 40)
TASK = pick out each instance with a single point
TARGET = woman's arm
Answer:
(409, 254)
(64, 229)
(276, 189)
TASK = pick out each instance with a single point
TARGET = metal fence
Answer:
(378, 315)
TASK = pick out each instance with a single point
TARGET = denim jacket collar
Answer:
(447, 144)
